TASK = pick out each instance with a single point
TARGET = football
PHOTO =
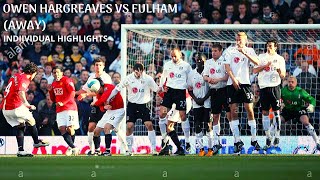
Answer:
(94, 85)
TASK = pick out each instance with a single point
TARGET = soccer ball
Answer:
(94, 85)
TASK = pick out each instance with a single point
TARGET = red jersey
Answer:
(63, 91)
(116, 102)
(18, 82)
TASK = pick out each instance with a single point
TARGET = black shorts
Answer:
(270, 97)
(95, 114)
(243, 95)
(293, 115)
(219, 100)
(201, 114)
(137, 111)
(177, 96)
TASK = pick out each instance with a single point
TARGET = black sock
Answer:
(68, 139)
(20, 137)
(34, 133)
(108, 139)
(175, 139)
(96, 140)
(73, 137)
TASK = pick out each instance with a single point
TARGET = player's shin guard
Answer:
(234, 125)
(34, 133)
(253, 129)
(186, 130)
(107, 140)
(96, 141)
(216, 135)
(152, 139)
(130, 142)
(66, 136)
(90, 141)
(163, 127)
(199, 140)
(277, 123)
(20, 138)
(312, 133)
(175, 139)
(266, 126)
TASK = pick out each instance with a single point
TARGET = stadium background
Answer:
(78, 65)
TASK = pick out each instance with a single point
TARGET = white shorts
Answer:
(113, 117)
(174, 116)
(17, 116)
(68, 118)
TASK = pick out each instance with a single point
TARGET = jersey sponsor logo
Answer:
(58, 91)
(198, 85)
(172, 75)
(267, 69)
(236, 59)
(212, 71)
(136, 90)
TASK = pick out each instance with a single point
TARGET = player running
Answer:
(62, 92)
(294, 99)
(237, 63)
(16, 108)
(271, 69)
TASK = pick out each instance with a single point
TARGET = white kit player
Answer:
(271, 69)
(215, 74)
(140, 86)
(175, 74)
(199, 91)
(237, 63)
(95, 114)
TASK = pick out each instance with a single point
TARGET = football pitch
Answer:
(246, 167)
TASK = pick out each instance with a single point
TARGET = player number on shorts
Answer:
(249, 95)
(278, 103)
(71, 118)
(182, 103)
(7, 89)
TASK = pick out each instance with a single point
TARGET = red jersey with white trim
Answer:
(18, 82)
(116, 102)
(64, 91)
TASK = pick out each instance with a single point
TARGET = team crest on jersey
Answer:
(171, 75)
(198, 85)
(236, 59)
(134, 90)
(212, 71)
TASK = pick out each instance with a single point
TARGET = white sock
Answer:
(199, 141)
(152, 138)
(209, 136)
(313, 133)
(90, 141)
(277, 123)
(253, 129)
(122, 139)
(216, 134)
(130, 142)
(186, 130)
(163, 127)
(234, 125)
(266, 126)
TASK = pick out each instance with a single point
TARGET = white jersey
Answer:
(106, 79)
(215, 69)
(239, 64)
(200, 88)
(269, 77)
(175, 74)
(139, 90)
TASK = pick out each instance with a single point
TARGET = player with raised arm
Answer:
(175, 74)
(95, 114)
(111, 119)
(199, 91)
(16, 108)
(62, 92)
(215, 74)
(294, 107)
(139, 86)
(271, 69)
(237, 62)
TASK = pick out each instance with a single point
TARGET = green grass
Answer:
(246, 167)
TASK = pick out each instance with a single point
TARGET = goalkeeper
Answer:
(294, 99)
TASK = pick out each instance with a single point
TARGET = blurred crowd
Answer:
(77, 57)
